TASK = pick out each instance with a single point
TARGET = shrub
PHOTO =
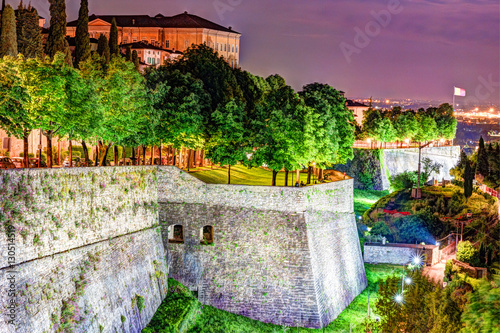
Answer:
(466, 252)
(405, 180)
(380, 228)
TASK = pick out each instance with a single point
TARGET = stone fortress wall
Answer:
(397, 161)
(383, 164)
(91, 250)
(283, 255)
(86, 254)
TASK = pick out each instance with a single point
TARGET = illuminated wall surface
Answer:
(280, 255)
(90, 254)
(87, 248)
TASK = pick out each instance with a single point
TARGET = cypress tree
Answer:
(103, 48)
(56, 41)
(82, 37)
(468, 178)
(29, 33)
(482, 167)
(135, 59)
(128, 53)
(8, 35)
(113, 38)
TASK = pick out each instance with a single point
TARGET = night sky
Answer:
(424, 48)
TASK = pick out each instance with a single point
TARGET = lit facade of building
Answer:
(174, 33)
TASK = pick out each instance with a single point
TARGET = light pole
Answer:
(377, 319)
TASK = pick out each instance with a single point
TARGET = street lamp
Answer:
(377, 319)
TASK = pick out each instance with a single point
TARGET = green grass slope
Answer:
(181, 312)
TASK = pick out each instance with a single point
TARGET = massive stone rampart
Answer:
(87, 249)
(283, 255)
(80, 249)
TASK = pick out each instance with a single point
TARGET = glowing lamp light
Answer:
(437, 243)
(417, 260)
(369, 140)
(407, 141)
(398, 298)
(441, 140)
(408, 280)
(491, 110)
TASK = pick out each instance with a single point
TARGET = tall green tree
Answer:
(405, 126)
(135, 59)
(482, 167)
(468, 178)
(123, 97)
(103, 48)
(213, 70)
(482, 313)
(54, 89)
(282, 132)
(227, 143)
(128, 53)
(15, 118)
(29, 33)
(336, 137)
(179, 101)
(427, 129)
(82, 37)
(113, 39)
(56, 41)
(446, 123)
(8, 35)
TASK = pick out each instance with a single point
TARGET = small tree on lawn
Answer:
(227, 144)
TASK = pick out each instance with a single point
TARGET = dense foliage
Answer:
(484, 163)
(397, 125)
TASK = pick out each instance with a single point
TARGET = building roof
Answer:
(353, 104)
(183, 20)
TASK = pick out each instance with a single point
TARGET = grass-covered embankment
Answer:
(181, 310)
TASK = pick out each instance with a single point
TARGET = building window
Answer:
(6, 143)
(176, 234)
(225, 47)
(233, 47)
(207, 235)
(167, 43)
(236, 48)
(217, 46)
(134, 40)
(125, 40)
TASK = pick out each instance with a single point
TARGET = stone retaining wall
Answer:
(285, 255)
(81, 249)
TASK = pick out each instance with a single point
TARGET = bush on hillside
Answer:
(466, 252)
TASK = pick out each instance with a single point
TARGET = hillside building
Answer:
(170, 34)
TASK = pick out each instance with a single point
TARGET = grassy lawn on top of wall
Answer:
(241, 175)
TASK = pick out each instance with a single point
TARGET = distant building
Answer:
(357, 109)
(174, 33)
(150, 55)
